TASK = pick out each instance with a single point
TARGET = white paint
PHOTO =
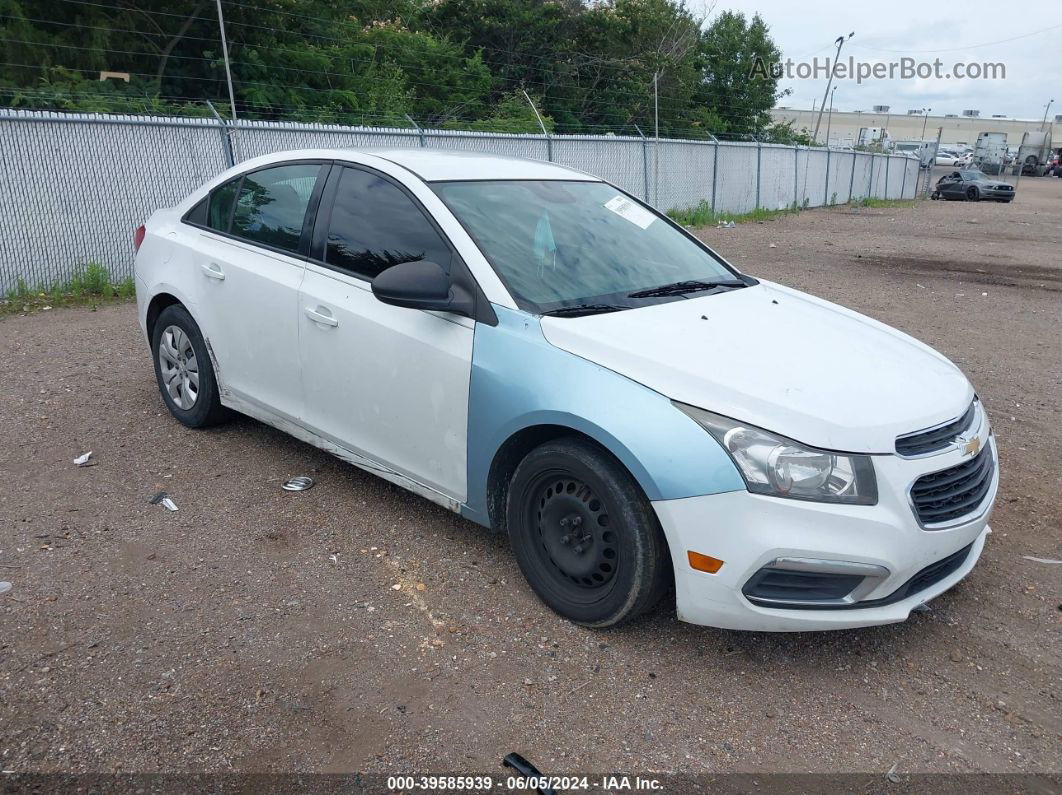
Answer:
(778, 359)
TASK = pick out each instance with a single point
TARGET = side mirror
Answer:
(421, 285)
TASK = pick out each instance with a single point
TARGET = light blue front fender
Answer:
(520, 381)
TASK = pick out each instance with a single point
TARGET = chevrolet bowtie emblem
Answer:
(971, 446)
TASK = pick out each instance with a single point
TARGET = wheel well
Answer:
(158, 303)
(513, 451)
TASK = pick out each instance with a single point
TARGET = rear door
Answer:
(251, 258)
(388, 383)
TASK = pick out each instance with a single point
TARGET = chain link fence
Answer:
(73, 187)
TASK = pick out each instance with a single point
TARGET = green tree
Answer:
(740, 94)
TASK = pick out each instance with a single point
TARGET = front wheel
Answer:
(584, 536)
(184, 371)
(972, 193)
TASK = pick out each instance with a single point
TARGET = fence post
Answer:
(420, 131)
(826, 182)
(715, 169)
(759, 169)
(903, 182)
(888, 165)
(796, 176)
(226, 142)
(870, 182)
(851, 181)
(645, 164)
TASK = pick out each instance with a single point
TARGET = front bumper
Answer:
(748, 531)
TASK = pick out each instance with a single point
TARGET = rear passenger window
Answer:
(219, 211)
(271, 207)
(375, 225)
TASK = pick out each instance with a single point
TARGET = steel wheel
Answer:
(575, 541)
(179, 367)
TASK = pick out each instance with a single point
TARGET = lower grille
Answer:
(925, 578)
(953, 493)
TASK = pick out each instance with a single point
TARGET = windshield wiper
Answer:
(578, 310)
(680, 288)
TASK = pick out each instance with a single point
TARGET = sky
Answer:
(887, 31)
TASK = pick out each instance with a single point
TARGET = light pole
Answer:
(833, 68)
(829, 117)
(925, 119)
(1044, 122)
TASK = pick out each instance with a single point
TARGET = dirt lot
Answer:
(356, 627)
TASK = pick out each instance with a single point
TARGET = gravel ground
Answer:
(357, 627)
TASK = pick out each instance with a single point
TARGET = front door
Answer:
(388, 383)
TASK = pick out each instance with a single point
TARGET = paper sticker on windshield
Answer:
(625, 208)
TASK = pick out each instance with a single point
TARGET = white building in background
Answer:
(847, 128)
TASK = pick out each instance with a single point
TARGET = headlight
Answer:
(780, 467)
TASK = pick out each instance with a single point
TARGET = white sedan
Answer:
(543, 353)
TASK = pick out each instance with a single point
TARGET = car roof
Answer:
(432, 165)
(435, 165)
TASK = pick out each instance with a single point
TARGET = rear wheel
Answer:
(585, 537)
(184, 371)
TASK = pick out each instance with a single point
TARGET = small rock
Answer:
(956, 655)
(396, 587)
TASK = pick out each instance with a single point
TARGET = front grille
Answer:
(934, 439)
(953, 493)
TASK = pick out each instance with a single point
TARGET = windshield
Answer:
(972, 176)
(558, 244)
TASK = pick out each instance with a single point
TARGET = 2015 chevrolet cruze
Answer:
(535, 349)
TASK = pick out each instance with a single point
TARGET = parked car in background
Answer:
(972, 185)
(543, 353)
(946, 158)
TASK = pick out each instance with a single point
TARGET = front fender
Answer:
(520, 381)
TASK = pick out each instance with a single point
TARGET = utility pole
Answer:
(833, 68)
(885, 129)
(1044, 122)
(225, 52)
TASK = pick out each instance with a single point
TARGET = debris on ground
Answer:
(1041, 560)
(83, 460)
(163, 499)
(892, 777)
(301, 483)
(527, 770)
(5, 587)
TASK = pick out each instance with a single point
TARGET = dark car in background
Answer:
(972, 185)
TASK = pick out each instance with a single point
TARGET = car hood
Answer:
(779, 359)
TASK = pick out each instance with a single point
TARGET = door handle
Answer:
(214, 271)
(321, 315)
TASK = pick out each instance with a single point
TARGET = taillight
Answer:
(138, 237)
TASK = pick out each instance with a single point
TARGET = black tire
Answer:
(614, 564)
(973, 194)
(206, 409)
